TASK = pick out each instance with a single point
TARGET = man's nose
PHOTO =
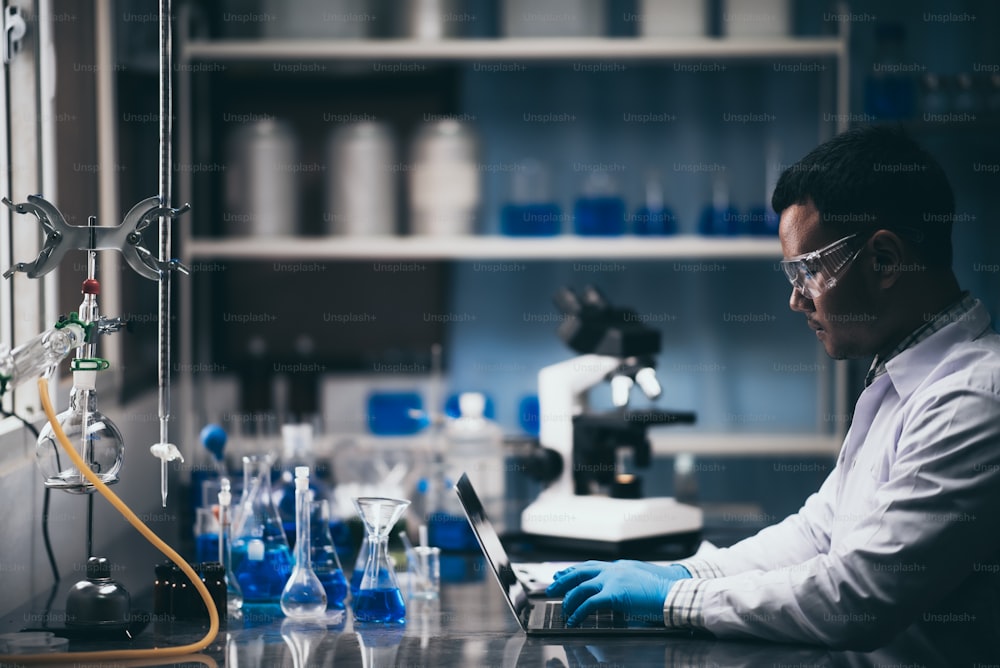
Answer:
(799, 302)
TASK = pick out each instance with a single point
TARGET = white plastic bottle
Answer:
(475, 446)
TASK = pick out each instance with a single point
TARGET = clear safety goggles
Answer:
(814, 273)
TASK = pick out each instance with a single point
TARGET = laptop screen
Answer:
(492, 547)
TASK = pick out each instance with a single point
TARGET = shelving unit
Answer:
(483, 248)
(212, 55)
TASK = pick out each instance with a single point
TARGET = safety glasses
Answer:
(814, 273)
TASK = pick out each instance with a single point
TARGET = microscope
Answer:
(595, 504)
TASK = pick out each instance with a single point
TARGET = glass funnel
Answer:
(379, 599)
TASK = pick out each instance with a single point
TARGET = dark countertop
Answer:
(470, 625)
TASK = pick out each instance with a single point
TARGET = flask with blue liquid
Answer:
(531, 212)
(262, 560)
(600, 209)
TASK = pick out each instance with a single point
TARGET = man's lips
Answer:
(814, 325)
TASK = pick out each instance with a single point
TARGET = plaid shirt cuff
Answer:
(683, 607)
(700, 568)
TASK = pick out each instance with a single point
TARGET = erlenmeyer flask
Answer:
(325, 562)
(261, 558)
(379, 599)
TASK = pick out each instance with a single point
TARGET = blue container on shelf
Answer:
(396, 413)
(600, 210)
(654, 222)
(531, 211)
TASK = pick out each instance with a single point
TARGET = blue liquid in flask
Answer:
(380, 605)
(261, 570)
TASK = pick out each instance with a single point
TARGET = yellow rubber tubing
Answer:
(156, 541)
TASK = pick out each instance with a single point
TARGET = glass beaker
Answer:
(261, 558)
(379, 599)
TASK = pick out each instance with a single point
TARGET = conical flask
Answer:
(379, 599)
(261, 558)
(325, 562)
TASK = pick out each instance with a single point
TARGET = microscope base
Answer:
(633, 528)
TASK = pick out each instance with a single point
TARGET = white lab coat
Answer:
(904, 535)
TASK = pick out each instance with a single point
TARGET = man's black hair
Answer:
(875, 177)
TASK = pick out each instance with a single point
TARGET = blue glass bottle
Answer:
(720, 218)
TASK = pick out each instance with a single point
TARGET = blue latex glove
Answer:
(635, 588)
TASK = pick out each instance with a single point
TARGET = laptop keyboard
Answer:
(602, 619)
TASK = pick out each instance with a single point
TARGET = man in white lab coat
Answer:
(902, 540)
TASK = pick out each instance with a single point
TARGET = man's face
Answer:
(843, 318)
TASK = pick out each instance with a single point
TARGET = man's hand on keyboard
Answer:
(635, 588)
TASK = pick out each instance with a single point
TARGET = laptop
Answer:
(539, 616)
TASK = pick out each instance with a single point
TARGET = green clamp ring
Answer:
(74, 318)
(89, 364)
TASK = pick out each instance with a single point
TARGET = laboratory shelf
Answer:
(593, 48)
(483, 248)
(670, 442)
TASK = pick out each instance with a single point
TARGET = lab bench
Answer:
(469, 625)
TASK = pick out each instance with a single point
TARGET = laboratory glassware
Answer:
(40, 355)
(325, 562)
(303, 595)
(379, 599)
(261, 558)
(531, 210)
(600, 209)
(234, 596)
(95, 437)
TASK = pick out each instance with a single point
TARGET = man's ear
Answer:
(887, 257)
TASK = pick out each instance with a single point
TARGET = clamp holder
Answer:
(61, 237)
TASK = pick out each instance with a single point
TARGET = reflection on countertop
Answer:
(471, 625)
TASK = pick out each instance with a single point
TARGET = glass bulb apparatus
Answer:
(303, 596)
(96, 438)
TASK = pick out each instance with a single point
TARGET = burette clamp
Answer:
(61, 237)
